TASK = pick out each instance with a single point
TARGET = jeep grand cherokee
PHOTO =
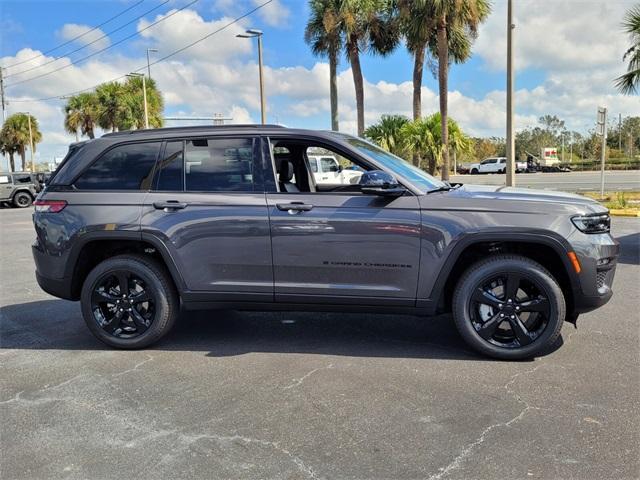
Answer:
(139, 224)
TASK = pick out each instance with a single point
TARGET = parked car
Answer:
(326, 169)
(495, 165)
(135, 225)
(17, 189)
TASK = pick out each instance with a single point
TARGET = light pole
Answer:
(511, 144)
(30, 139)
(251, 33)
(148, 63)
(144, 96)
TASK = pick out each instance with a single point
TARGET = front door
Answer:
(209, 208)
(342, 246)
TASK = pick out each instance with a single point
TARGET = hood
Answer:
(514, 194)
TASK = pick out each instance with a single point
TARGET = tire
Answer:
(504, 170)
(142, 270)
(22, 200)
(474, 171)
(542, 329)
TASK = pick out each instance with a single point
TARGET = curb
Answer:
(624, 213)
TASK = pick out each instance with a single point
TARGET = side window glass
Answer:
(313, 164)
(219, 165)
(126, 167)
(4, 179)
(170, 170)
(329, 164)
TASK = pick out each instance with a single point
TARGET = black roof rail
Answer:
(193, 128)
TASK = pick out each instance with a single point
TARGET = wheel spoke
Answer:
(489, 327)
(486, 298)
(113, 324)
(539, 304)
(123, 282)
(511, 287)
(140, 297)
(141, 323)
(101, 296)
(519, 330)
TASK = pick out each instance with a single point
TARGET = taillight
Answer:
(50, 206)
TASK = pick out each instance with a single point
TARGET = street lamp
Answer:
(252, 33)
(144, 96)
(148, 64)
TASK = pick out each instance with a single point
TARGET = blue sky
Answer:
(567, 55)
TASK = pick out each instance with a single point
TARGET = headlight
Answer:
(599, 223)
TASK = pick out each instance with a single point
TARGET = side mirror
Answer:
(340, 168)
(377, 182)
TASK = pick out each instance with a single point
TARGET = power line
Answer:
(106, 35)
(46, 74)
(74, 38)
(144, 67)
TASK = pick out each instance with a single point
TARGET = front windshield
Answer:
(395, 164)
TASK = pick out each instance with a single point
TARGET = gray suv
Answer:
(137, 225)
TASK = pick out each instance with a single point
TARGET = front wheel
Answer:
(129, 301)
(474, 171)
(509, 307)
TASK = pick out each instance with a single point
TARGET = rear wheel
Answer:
(474, 171)
(129, 301)
(509, 307)
(22, 200)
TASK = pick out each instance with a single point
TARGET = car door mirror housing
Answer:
(378, 182)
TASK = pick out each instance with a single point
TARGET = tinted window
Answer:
(329, 164)
(170, 171)
(127, 167)
(219, 164)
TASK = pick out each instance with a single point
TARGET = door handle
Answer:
(169, 205)
(294, 207)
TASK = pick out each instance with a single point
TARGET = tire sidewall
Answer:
(160, 297)
(528, 270)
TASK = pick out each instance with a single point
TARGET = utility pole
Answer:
(511, 145)
(4, 114)
(602, 130)
(619, 131)
(563, 133)
(30, 142)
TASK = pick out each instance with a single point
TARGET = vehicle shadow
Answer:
(58, 325)
(629, 249)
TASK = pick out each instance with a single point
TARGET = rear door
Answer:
(208, 207)
(6, 187)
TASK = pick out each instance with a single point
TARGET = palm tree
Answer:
(420, 138)
(133, 114)
(8, 147)
(112, 105)
(388, 133)
(16, 137)
(367, 25)
(324, 36)
(456, 26)
(418, 28)
(81, 114)
(629, 83)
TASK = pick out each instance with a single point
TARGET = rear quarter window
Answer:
(124, 167)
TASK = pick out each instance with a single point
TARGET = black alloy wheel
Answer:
(122, 305)
(509, 311)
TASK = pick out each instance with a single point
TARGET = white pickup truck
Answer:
(495, 165)
(327, 169)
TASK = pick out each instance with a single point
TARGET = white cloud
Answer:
(88, 36)
(568, 35)
(188, 26)
(274, 14)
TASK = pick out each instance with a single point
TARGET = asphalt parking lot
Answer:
(288, 395)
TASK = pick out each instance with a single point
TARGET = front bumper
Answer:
(598, 259)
